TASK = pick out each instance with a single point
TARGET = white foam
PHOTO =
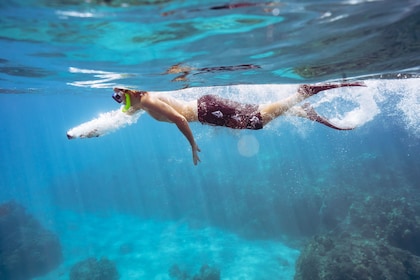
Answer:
(357, 106)
(101, 79)
(257, 94)
(409, 105)
(351, 107)
(106, 123)
(66, 14)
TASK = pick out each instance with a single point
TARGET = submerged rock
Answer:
(94, 269)
(27, 249)
(206, 273)
(352, 257)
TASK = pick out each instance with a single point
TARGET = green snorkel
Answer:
(127, 103)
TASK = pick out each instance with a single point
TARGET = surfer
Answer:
(214, 110)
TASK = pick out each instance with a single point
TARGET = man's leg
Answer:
(314, 89)
(308, 112)
(273, 110)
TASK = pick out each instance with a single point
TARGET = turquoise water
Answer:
(134, 196)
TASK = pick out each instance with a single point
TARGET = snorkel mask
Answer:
(118, 97)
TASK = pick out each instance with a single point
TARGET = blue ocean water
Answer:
(134, 195)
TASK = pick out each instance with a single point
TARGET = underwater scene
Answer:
(91, 189)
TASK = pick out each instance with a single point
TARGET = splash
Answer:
(397, 100)
(408, 104)
(104, 124)
(350, 107)
(346, 107)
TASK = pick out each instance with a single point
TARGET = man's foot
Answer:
(313, 115)
(314, 89)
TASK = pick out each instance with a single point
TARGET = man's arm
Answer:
(162, 111)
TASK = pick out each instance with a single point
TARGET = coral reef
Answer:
(353, 257)
(379, 239)
(27, 249)
(94, 269)
(206, 273)
(395, 220)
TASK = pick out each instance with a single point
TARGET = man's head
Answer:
(123, 95)
(120, 94)
(126, 96)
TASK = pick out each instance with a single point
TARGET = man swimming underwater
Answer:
(214, 110)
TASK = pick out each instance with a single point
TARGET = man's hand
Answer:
(164, 112)
(195, 150)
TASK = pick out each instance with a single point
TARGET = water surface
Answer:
(134, 195)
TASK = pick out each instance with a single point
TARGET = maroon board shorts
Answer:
(218, 111)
